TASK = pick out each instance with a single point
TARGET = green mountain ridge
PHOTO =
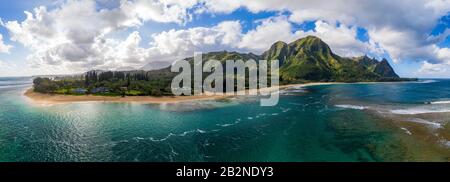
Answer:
(310, 59)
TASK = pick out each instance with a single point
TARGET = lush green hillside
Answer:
(311, 59)
(305, 60)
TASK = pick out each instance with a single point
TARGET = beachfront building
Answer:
(100, 90)
(80, 91)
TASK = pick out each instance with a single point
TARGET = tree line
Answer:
(131, 83)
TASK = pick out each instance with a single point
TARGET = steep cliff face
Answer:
(384, 69)
(369, 63)
(278, 51)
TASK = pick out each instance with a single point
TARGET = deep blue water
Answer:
(348, 122)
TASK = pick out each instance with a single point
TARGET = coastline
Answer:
(50, 99)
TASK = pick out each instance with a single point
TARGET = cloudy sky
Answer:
(72, 36)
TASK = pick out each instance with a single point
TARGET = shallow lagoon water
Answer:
(349, 122)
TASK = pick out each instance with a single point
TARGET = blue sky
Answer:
(72, 36)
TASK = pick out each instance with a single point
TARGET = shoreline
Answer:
(51, 99)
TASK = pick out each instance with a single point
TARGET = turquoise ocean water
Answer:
(345, 122)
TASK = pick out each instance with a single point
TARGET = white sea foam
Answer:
(225, 125)
(423, 121)
(446, 143)
(428, 81)
(406, 131)
(229, 124)
(201, 131)
(285, 109)
(347, 106)
(412, 111)
(441, 102)
(172, 134)
(297, 90)
(292, 90)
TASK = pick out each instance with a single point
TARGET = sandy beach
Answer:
(49, 99)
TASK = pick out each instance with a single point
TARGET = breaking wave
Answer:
(423, 121)
(293, 90)
(347, 106)
(412, 111)
(172, 135)
(428, 81)
(441, 102)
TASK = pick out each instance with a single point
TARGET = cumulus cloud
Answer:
(159, 11)
(4, 48)
(6, 65)
(343, 39)
(228, 35)
(177, 44)
(268, 32)
(7, 68)
(77, 34)
(433, 70)
(401, 28)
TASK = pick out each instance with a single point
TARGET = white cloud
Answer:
(441, 69)
(4, 48)
(8, 69)
(159, 11)
(268, 32)
(76, 35)
(6, 65)
(400, 27)
(228, 35)
(178, 44)
(342, 39)
(433, 70)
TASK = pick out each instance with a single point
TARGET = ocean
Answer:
(405, 121)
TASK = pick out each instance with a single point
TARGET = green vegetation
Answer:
(109, 83)
(311, 59)
(305, 60)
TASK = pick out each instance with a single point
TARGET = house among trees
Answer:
(80, 91)
(100, 90)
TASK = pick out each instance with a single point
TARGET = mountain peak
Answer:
(312, 37)
(278, 51)
(279, 43)
(366, 60)
(311, 45)
(384, 69)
